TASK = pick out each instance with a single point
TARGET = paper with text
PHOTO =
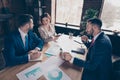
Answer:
(32, 73)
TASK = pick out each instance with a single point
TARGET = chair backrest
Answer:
(116, 70)
(2, 60)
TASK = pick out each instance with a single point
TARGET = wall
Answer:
(8, 8)
(47, 6)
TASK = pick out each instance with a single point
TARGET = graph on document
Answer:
(33, 72)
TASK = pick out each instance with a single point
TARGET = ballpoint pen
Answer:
(78, 42)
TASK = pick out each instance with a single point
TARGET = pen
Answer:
(78, 42)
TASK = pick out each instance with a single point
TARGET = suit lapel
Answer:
(20, 42)
(90, 48)
(29, 40)
(99, 36)
(97, 39)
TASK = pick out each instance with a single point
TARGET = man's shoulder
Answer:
(15, 33)
(104, 39)
(30, 32)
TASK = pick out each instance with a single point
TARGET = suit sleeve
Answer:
(38, 41)
(87, 44)
(96, 58)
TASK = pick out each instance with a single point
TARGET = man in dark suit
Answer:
(22, 45)
(98, 63)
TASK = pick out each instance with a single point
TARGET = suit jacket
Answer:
(45, 35)
(98, 64)
(14, 50)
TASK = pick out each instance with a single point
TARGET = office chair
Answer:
(116, 70)
(2, 60)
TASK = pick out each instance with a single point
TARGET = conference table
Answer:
(72, 71)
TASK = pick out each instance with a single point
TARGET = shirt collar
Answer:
(95, 37)
(22, 33)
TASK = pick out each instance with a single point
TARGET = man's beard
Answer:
(90, 33)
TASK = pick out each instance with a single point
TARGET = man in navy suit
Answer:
(22, 45)
(98, 63)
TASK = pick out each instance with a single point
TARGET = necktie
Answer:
(92, 42)
(26, 42)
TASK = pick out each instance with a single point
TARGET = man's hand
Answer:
(84, 38)
(66, 56)
(34, 54)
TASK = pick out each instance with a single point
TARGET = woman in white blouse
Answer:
(47, 30)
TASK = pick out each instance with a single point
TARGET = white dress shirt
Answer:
(22, 36)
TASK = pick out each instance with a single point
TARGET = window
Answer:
(110, 15)
(68, 11)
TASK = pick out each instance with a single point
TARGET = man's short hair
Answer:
(95, 21)
(22, 19)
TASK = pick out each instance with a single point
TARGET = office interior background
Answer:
(66, 15)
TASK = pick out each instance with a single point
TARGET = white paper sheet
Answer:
(32, 73)
(55, 73)
(52, 61)
(68, 45)
(54, 49)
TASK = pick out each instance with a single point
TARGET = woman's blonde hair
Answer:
(46, 15)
